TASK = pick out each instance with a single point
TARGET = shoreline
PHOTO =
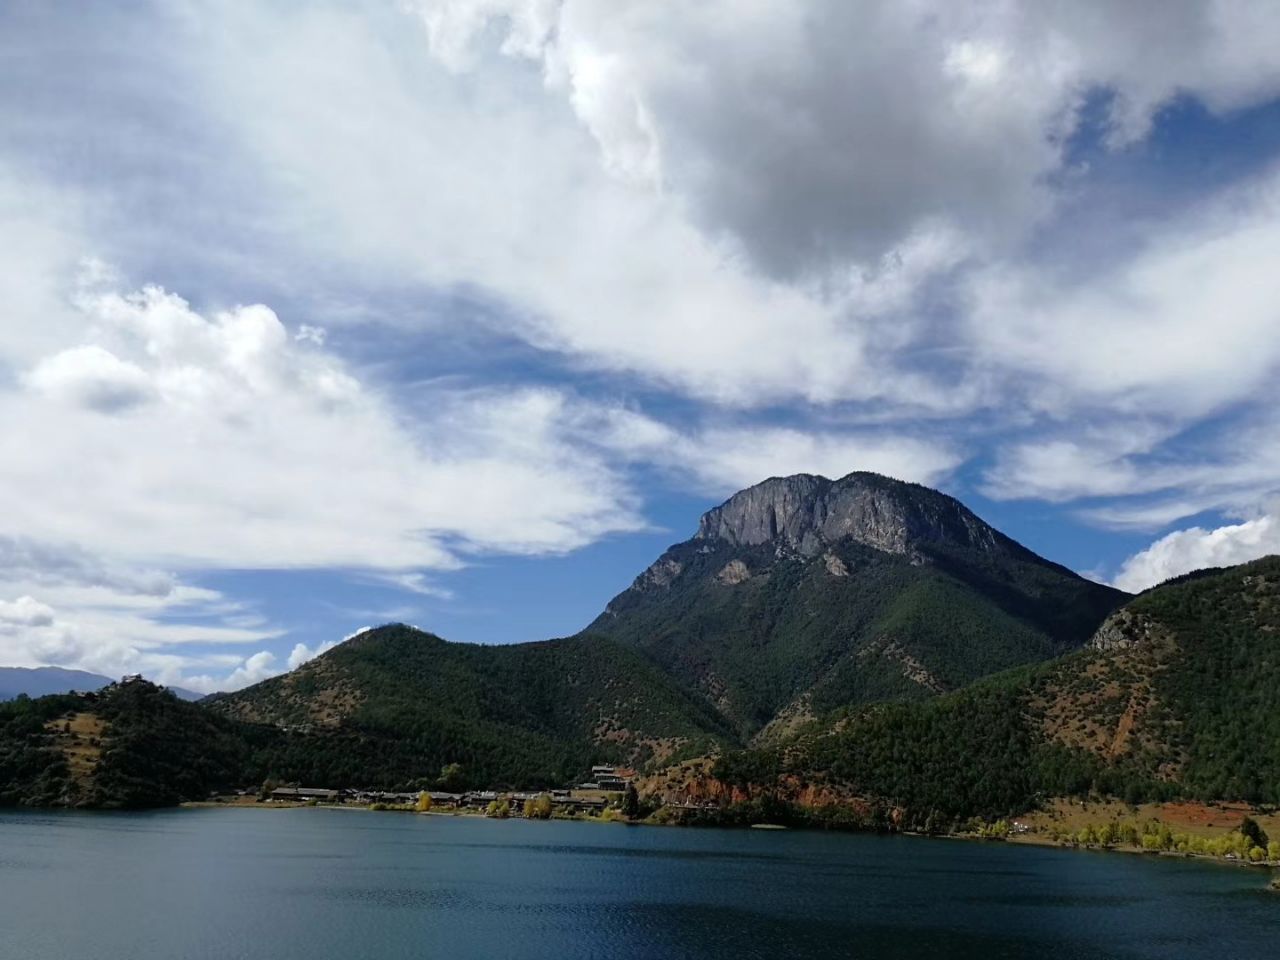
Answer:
(1030, 840)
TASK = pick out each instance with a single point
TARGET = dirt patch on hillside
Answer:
(1198, 819)
(1110, 707)
(79, 737)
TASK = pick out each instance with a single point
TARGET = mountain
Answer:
(39, 681)
(1176, 695)
(395, 705)
(802, 594)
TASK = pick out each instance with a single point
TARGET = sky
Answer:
(458, 312)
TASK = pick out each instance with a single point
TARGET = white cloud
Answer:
(1149, 475)
(721, 457)
(865, 120)
(252, 669)
(726, 460)
(311, 334)
(1186, 328)
(259, 453)
(610, 273)
(301, 653)
(1196, 548)
(83, 610)
(419, 584)
(92, 377)
(25, 612)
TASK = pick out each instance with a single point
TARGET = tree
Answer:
(499, 809)
(452, 777)
(539, 807)
(1251, 829)
(424, 802)
(631, 802)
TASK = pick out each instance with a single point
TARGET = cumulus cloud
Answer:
(301, 653)
(25, 612)
(866, 120)
(92, 377)
(891, 145)
(1196, 548)
(252, 669)
(309, 467)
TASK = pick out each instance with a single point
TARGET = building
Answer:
(610, 779)
(304, 794)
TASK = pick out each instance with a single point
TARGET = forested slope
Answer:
(1177, 695)
(395, 705)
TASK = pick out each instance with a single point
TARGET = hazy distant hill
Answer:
(802, 594)
(38, 681)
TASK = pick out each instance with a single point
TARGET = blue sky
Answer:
(458, 312)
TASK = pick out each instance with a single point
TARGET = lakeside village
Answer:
(609, 789)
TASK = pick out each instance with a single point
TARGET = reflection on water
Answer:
(315, 884)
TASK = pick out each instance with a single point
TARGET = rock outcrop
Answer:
(805, 514)
(1125, 630)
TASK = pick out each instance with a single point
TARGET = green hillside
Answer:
(1179, 695)
(130, 745)
(395, 705)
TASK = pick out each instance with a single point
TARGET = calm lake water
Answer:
(315, 884)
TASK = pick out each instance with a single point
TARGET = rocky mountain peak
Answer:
(805, 513)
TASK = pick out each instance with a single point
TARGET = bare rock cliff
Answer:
(805, 513)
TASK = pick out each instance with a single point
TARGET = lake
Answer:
(315, 884)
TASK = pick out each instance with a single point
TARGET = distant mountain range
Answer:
(41, 681)
(863, 639)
